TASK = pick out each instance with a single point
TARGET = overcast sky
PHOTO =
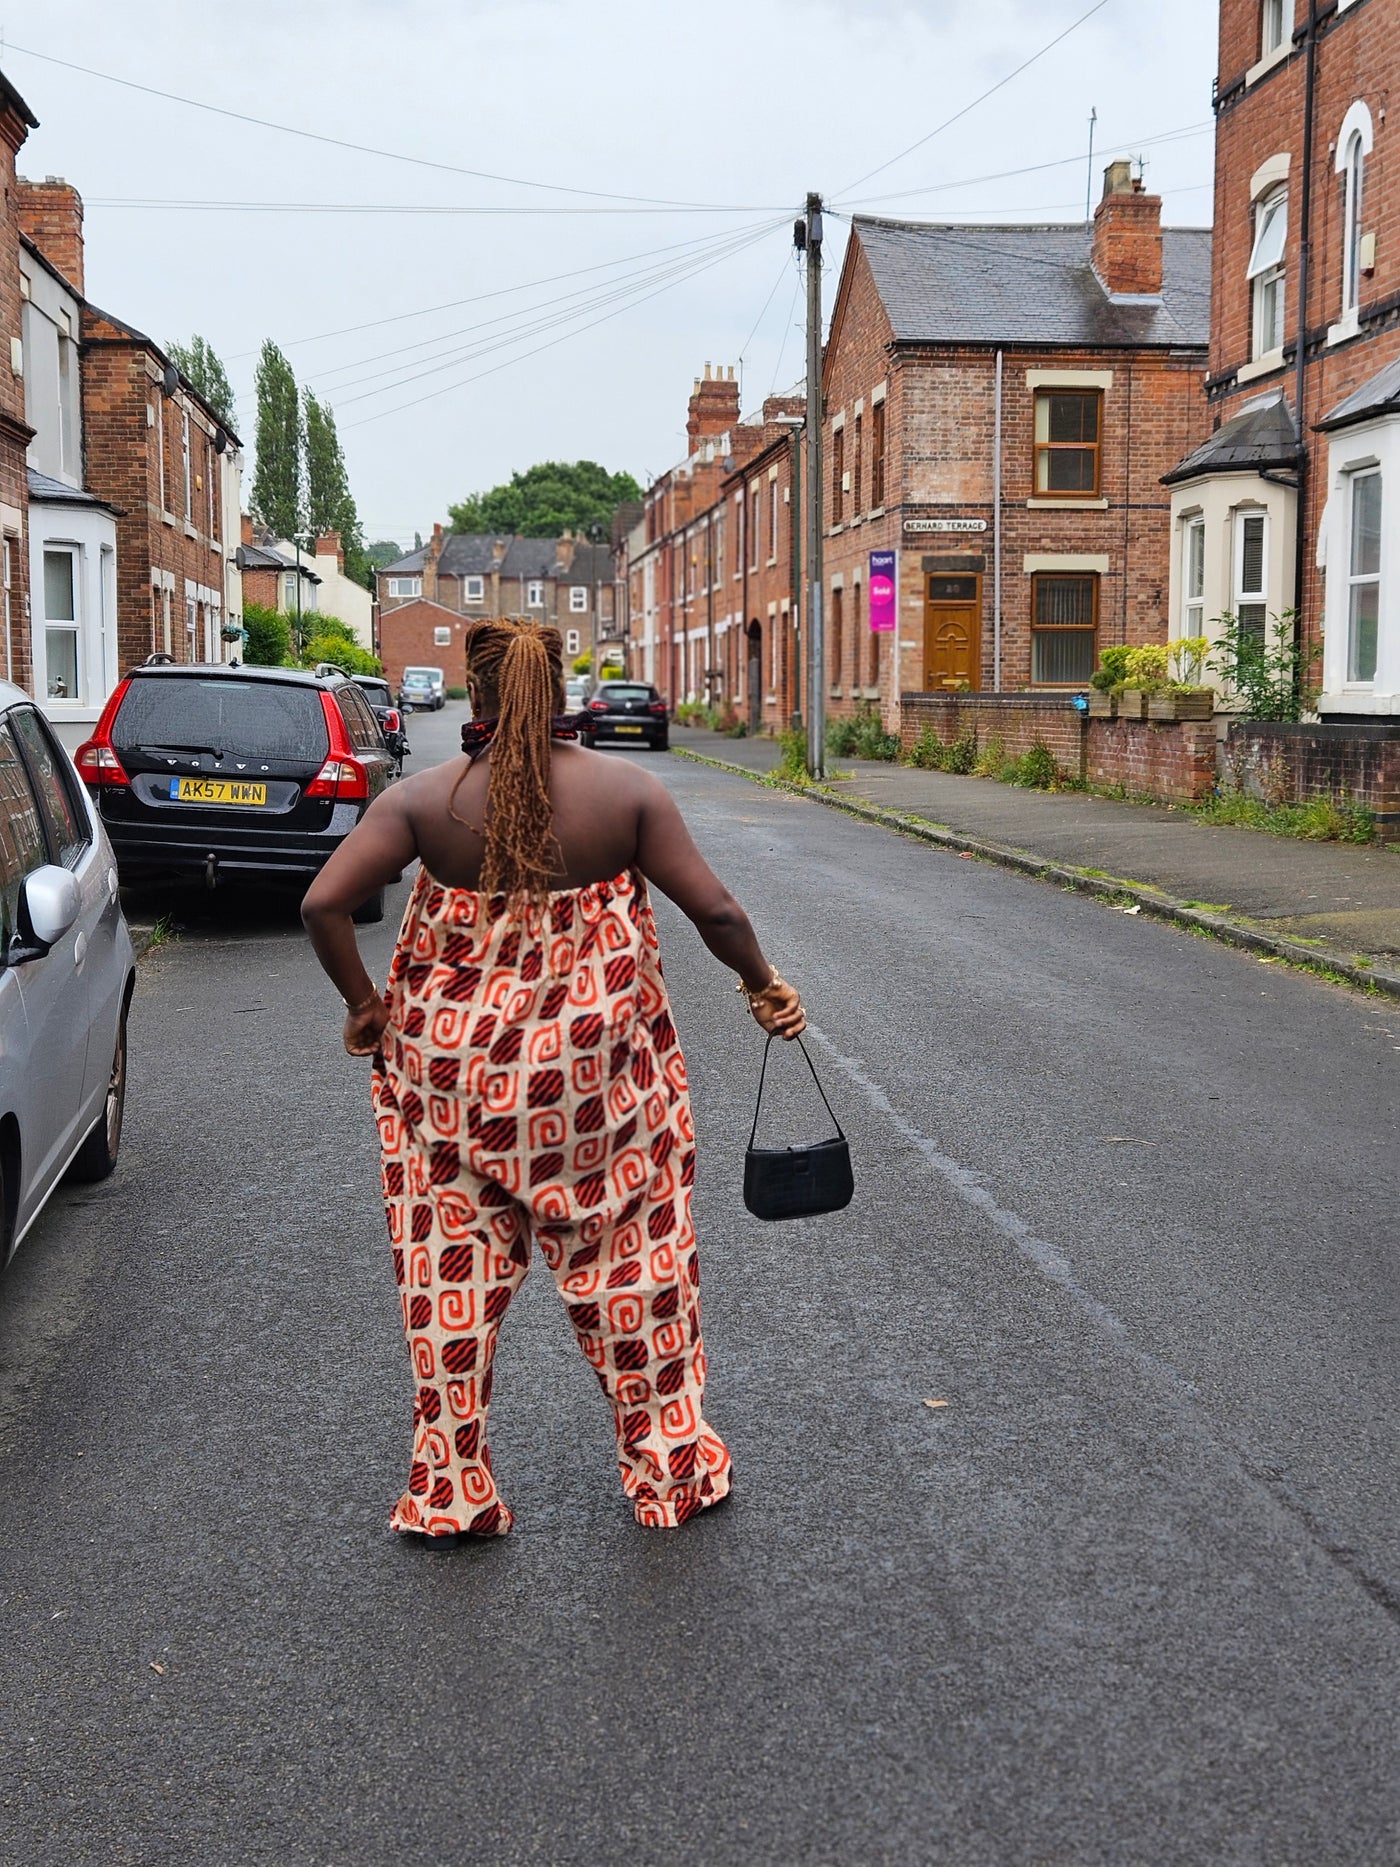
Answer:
(738, 107)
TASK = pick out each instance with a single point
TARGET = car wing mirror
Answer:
(49, 903)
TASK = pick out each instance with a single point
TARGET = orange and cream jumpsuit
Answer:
(531, 1085)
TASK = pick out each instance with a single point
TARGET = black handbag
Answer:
(796, 1182)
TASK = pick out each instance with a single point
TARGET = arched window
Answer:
(1266, 271)
(1353, 146)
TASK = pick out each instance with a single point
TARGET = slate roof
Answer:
(1263, 434)
(963, 284)
(59, 493)
(263, 557)
(473, 554)
(1379, 396)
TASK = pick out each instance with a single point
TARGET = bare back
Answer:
(599, 803)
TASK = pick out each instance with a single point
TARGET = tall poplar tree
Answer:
(276, 495)
(202, 366)
(330, 505)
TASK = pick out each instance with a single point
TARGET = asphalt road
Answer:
(1127, 1204)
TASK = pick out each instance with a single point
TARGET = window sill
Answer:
(1260, 366)
(1069, 503)
(190, 531)
(167, 518)
(836, 528)
(1278, 56)
(1345, 328)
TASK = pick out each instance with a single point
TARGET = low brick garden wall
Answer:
(1286, 764)
(1176, 762)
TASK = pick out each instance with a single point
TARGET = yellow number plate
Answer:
(216, 791)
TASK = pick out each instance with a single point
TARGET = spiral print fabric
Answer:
(531, 1087)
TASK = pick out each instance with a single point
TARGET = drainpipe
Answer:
(996, 529)
(1300, 551)
(795, 581)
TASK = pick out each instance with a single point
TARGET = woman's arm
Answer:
(374, 854)
(666, 855)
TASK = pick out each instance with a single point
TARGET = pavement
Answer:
(1330, 903)
(1125, 1205)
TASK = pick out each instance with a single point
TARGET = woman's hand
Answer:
(364, 1028)
(778, 1008)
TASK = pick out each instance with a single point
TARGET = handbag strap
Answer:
(762, 1077)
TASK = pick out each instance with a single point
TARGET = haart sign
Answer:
(883, 586)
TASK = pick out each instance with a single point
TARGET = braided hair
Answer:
(521, 664)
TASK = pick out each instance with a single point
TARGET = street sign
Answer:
(945, 525)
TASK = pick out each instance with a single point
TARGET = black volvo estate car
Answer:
(214, 772)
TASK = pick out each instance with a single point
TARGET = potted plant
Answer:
(1144, 673)
(1104, 681)
(1183, 697)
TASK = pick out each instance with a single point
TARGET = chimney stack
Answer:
(1128, 235)
(714, 406)
(51, 215)
(328, 545)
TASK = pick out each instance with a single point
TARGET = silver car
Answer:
(66, 975)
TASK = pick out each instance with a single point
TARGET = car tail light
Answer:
(393, 720)
(342, 776)
(658, 707)
(95, 759)
(597, 706)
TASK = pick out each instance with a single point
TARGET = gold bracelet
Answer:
(363, 1005)
(751, 996)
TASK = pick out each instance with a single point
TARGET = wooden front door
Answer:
(952, 633)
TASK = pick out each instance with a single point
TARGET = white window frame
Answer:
(185, 459)
(1273, 27)
(534, 594)
(1268, 299)
(473, 590)
(578, 599)
(9, 544)
(773, 518)
(1241, 596)
(442, 635)
(396, 586)
(573, 642)
(289, 591)
(65, 625)
(1358, 580)
(1193, 575)
(1355, 140)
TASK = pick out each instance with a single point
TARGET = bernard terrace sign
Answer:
(945, 525)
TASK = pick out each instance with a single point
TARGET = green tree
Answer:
(330, 505)
(383, 551)
(200, 365)
(546, 500)
(276, 495)
(269, 643)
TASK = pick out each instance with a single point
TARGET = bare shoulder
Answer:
(603, 774)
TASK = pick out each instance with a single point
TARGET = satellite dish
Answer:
(220, 440)
(170, 381)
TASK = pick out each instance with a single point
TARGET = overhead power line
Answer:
(502, 291)
(991, 91)
(363, 149)
(462, 382)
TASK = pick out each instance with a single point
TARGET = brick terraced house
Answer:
(1291, 502)
(1000, 405)
(562, 581)
(712, 571)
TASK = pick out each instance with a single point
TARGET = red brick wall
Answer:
(1358, 57)
(1291, 764)
(406, 641)
(51, 215)
(1173, 762)
(14, 431)
(1148, 759)
(121, 383)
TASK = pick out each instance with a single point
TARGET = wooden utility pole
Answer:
(808, 234)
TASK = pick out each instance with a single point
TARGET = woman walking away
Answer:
(528, 1082)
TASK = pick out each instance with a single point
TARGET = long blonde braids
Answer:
(522, 664)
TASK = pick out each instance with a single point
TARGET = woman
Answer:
(528, 1081)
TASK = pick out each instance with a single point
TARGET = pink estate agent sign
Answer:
(883, 585)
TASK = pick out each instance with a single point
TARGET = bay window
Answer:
(1364, 576)
(1251, 593)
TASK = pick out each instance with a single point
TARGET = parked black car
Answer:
(214, 771)
(627, 711)
(381, 697)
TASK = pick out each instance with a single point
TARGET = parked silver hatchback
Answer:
(66, 975)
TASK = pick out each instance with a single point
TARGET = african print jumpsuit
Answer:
(530, 1085)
